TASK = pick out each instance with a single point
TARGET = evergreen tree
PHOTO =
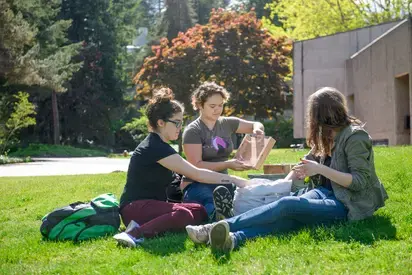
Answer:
(15, 35)
(94, 103)
(178, 17)
(49, 62)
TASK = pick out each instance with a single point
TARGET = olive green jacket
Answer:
(352, 153)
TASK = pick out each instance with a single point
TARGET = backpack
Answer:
(81, 221)
(173, 191)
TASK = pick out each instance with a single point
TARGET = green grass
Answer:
(379, 245)
(46, 150)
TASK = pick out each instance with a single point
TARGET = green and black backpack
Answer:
(81, 221)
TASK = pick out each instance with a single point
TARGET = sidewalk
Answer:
(64, 166)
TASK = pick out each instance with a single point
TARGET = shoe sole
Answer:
(192, 236)
(223, 202)
(218, 235)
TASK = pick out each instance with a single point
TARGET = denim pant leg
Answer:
(319, 206)
(201, 193)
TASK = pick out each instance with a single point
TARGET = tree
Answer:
(15, 35)
(204, 7)
(258, 5)
(94, 103)
(49, 62)
(232, 49)
(312, 18)
(20, 118)
(178, 17)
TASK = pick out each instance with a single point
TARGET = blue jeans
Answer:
(318, 206)
(202, 193)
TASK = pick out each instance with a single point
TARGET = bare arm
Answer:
(292, 176)
(193, 154)
(247, 127)
(309, 168)
(179, 165)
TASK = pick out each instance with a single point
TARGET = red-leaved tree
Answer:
(235, 51)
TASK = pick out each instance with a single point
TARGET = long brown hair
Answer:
(327, 112)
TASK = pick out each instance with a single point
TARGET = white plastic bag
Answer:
(260, 192)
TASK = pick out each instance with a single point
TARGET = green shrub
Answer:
(46, 150)
(281, 130)
(138, 127)
(21, 117)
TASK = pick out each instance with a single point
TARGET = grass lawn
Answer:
(379, 245)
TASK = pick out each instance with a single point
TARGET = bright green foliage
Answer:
(20, 118)
(305, 19)
(138, 127)
(233, 50)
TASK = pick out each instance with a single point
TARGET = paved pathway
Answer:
(64, 166)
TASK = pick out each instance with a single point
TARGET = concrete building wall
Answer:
(321, 62)
(378, 76)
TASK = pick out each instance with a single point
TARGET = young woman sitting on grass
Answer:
(143, 204)
(349, 187)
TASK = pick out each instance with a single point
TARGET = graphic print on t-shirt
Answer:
(219, 144)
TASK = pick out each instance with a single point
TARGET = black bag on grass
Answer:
(81, 221)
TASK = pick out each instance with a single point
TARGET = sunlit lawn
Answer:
(379, 245)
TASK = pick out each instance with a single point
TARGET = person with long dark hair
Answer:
(348, 189)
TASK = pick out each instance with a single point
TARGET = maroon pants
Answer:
(156, 217)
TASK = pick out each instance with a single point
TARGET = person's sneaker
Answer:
(199, 233)
(125, 239)
(221, 239)
(223, 201)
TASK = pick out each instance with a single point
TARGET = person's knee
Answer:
(288, 204)
(183, 216)
(200, 192)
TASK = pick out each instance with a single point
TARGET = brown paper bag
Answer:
(254, 150)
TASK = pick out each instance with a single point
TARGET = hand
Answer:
(238, 165)
(258, 132)
(239, 182)
(307, 168)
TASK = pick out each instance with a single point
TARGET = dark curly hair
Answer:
(162, 106)
(206, 90)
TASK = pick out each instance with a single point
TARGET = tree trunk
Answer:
(56, 120)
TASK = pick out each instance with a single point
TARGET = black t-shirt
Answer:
(146, 178)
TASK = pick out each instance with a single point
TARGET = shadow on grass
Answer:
(366, 232)
(166, 244)
(220, 257)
